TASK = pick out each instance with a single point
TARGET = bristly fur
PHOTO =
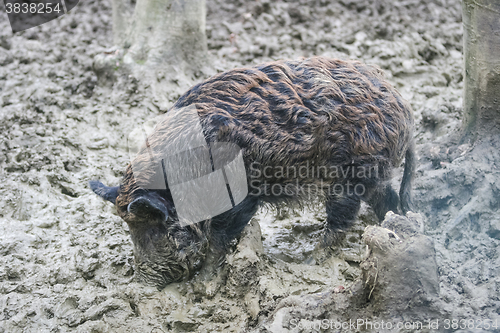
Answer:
(305, 113)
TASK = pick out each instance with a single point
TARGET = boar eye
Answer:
(148, 206)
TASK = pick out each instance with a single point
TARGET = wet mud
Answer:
(66, 262)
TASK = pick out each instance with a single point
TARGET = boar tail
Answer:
(409, 171)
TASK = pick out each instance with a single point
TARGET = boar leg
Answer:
(384, 199)
(341, 212)
(230, 224)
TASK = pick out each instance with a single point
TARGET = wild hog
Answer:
(294, 131)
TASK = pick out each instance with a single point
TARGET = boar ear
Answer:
(105, 192)
(148, 205)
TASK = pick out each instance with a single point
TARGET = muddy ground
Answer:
(66, 257)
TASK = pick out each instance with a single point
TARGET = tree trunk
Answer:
(162, 42)
(162, 31)
(481, 19)
(122, 18)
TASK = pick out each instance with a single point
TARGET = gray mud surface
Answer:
(66, 261)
